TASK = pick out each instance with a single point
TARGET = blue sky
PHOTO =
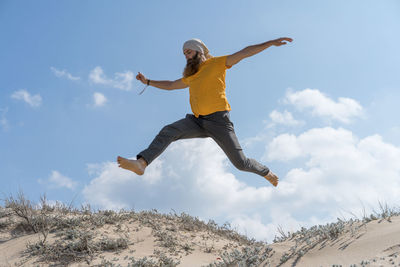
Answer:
(322, 112)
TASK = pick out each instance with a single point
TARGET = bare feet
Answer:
(272, 178)
(136, 166)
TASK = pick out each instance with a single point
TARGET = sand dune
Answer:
(106, 238)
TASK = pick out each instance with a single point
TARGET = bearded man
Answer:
(205, 77)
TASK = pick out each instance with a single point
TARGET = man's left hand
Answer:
(281, 41)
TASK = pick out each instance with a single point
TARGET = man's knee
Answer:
(171, 131)
(240, 163)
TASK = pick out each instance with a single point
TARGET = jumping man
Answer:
(205, 77)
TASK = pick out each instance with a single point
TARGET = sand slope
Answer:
(376, 243)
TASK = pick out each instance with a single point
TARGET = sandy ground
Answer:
(376, 243)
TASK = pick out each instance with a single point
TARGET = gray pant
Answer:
(217, 126)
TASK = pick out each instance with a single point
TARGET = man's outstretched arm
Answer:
(254, 49)
(166, 85)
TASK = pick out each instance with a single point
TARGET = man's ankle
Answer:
(142, 162)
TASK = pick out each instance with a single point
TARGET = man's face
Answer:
(189, 54)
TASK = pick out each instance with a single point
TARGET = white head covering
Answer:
(196, 45)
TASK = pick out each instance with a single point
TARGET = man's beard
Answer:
(192, 65)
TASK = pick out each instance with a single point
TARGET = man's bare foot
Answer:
(136, 166)
(272, 178)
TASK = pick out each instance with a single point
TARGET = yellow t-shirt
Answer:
(207, 87)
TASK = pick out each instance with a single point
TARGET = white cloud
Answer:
(284, 147)
(64, 73)
(340, 170)
(317, 142)
(121, 81)
(254, 226)
(321, 105)
(57, 180)
(285, 118)
(99, 99)
(97, 76)
(24, 95)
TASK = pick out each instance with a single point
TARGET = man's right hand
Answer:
(141, 78)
